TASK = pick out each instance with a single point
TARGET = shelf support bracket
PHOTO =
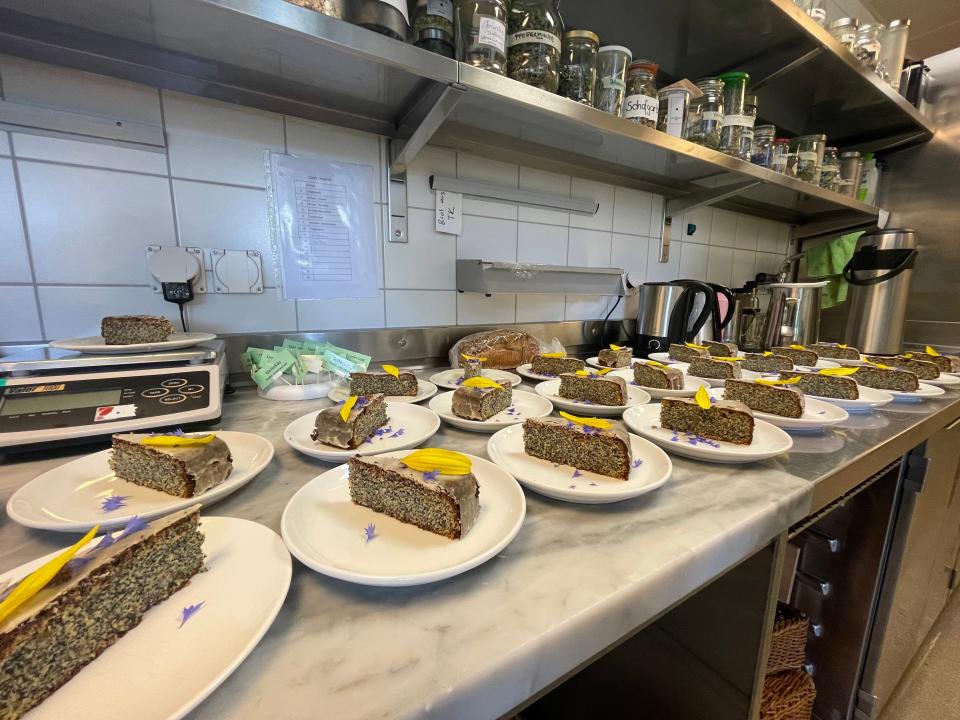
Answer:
(403, 152)
(675, 207)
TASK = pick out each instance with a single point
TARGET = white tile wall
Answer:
(91, 208)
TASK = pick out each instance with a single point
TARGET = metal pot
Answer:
(793, 317)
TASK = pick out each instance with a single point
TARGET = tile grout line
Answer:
(286, 151)
(386, 223)
(26, 236)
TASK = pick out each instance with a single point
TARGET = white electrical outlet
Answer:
(169, 263)
(237, 271)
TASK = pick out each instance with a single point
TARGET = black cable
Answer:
(183, 320)
(603, 329)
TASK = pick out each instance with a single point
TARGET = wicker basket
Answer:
(788, 695)
(789, 643)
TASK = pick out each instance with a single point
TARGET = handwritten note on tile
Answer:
(449, 212)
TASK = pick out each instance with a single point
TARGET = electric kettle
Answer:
(721, 303)
(671, 312)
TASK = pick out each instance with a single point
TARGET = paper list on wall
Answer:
(324, 228)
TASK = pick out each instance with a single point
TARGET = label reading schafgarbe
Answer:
(537, 37)
(711, 116)
(640, 107)
(443, 8)
(738, 120)
(493, 32)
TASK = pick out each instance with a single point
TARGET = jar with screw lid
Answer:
(612, 62)
(783, 160)
(809, 150)
(578, 65)
(762, 151)
(533, 44)
(481, 34)
(830, 169)
(735, 117)
(845, 31)
(866, 46)
(674, 107)
(851, 169)
(706, 114)
(641, 103)
(433, 26)
(816, 9)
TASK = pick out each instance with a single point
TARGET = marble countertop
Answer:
(576, 579)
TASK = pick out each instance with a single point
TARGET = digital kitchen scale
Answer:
(57, 397)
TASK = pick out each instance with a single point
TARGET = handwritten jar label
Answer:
(641, 107)
(493, 32)
(538, 37)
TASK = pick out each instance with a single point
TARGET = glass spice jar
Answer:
(746, 137)
(735, 118)
(333, 8)
(433, 26)
(612, 62)
(845, 31)
(674, 108)
(816, 9)
(533, 46)
(481, 34)
(705, 120)
(641, 103)
(578, 65)
(830, 169)
(867, 44)
(780, 157)
(809, 151)
(762, 151)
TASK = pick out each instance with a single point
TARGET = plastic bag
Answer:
(503, 348)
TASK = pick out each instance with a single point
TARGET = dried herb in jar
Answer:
(533, 55)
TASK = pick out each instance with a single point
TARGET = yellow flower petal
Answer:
(703, 397)
(931, 351)
(842, 345)
(554, 355)
(347, 407)
(472, 357)
(838, 372)
(391, 370)
(589, 422)
(788, 381)
(41, 577)
(695, 347)
(447, 462)
(604, 371)
(797, 347)
(481, 382)
(177, 440)
(654, 363)
(615, 347)
(728, 359)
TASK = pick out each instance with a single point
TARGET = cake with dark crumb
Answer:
(721, 349)
(798, 355)
(447, 505)
(882, 379)
(543, 365)
(725, 420)
(365, 416)
(685, 353)
(602, 451)
(596, 389)
(185, 470)
(714, 369)
(921, 368)
(766, 362)
(480, 403)
(661, 377)
(944, 363)
(99, 596)
(135, 329)
(779, 400)
(835, 351)
(372, 383)
(619, 358)
(825, 386)
(472, 367)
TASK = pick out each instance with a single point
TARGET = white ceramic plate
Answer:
(714, 382)
(551, 388)
(663, 357)
(531, 375)
(946, 380)
(142, 674)
(652, 468)
(407, 426)
(690, 385)
(425, 389)
(821, 365)
(925, 391)
(525, 405)
(595, 362)
(73, 496)
(452, 379)
(817, 414)
(768, 440)
(96, 346)
(868, 400)
(327, 532)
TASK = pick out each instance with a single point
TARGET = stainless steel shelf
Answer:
(276, 56)
(808, 81)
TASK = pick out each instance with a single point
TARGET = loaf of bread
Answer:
(503, 349)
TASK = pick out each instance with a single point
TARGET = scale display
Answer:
(37, 402)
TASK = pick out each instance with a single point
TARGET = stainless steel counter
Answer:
(576, 580)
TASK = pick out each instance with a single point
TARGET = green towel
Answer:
(826, 261)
